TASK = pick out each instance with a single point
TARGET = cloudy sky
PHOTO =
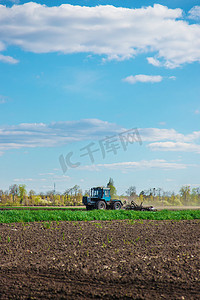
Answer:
(97, 89)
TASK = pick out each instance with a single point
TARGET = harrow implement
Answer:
(135, 206)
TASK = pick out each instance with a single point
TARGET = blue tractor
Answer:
(100, 199)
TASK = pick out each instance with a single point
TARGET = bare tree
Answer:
(14, 190)
(31, 193)
(131, 191)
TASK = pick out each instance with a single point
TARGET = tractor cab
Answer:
(100, 198)
(101, 193)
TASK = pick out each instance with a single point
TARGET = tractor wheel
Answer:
(101, 205)
(117, 205)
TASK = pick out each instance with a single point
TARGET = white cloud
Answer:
(44, 174)
(174, 146)
(30, 135)
(143, 78)
(172, 77)
(197, 112)
(143, 164)
(153, 61)
(56, 178)
(157, 134)
(47, 187)
(194, 13)
(116, 32)
(8, 59)
(23, 179)
(170, 140)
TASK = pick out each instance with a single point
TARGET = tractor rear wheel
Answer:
(101, 205)
(117, 205)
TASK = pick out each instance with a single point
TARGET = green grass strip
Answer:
(41, 208)
(12, 216)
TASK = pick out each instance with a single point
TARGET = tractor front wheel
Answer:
(101, 205)
(117, 205)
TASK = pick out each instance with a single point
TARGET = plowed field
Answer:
(100, 260)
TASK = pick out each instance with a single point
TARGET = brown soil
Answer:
(101, 260)
(79, 208)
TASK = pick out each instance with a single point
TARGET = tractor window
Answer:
(106, 193)
(95, 193)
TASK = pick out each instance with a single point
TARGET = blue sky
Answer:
(79, 72)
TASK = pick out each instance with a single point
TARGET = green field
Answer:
(11, 216)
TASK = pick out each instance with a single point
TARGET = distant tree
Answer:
(67, 192)
(131, 191)
(31, 193)
(185, 194)
(6, 193)
(76, 190)
(150, 192)
(14, 190)
(50, 193)
(22, 192)
(141, 196)
(1, 193)
(141, 193)
(159, 190)
(198, 190)
(113, 190)
(195, 195)
(42, 195)
(87, 193)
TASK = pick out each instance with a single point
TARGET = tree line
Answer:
(157, 196)
(17, 195)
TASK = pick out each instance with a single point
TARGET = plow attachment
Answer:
(135, 206)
